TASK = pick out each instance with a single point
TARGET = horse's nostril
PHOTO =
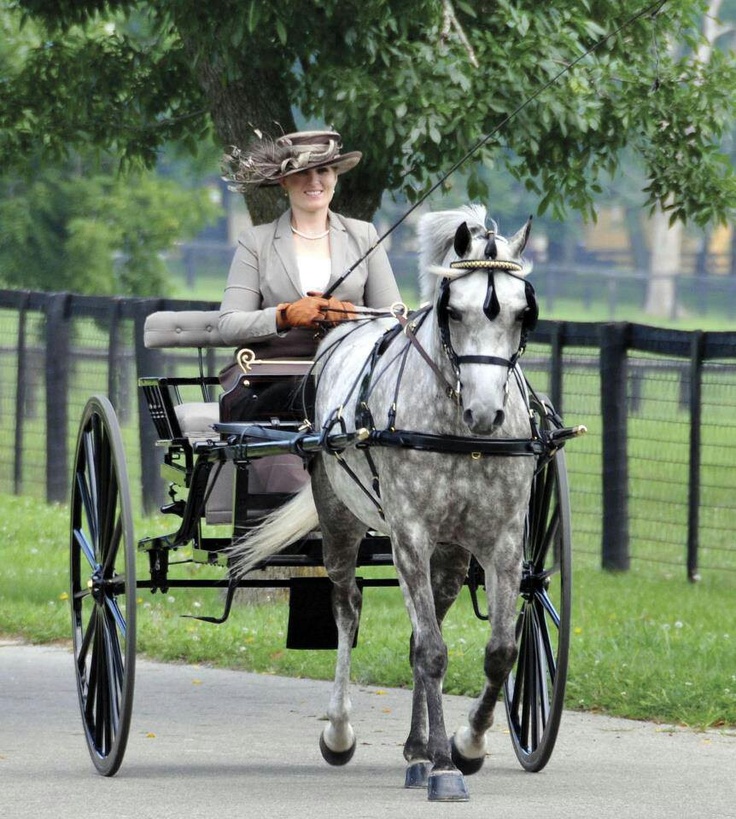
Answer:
(499, 419)
(468, 417)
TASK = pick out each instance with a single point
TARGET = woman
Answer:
(273, 301)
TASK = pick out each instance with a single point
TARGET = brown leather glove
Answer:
(307, 312)
(336, 311)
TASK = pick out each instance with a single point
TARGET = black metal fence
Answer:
(651, 484)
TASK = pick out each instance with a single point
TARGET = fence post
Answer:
(556, 367)
(20, 395)
(615, 472)
(115, 362)
(693, 500)
(147, 363)
(56, 366)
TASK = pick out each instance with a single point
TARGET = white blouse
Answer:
(314, 273)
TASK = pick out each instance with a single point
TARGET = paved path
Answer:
(215, 744)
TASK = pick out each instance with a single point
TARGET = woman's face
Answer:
(311, 190)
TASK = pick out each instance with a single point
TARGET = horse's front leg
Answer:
(445, 782)
(502, 589)
(449, 568)
(415, 748)
(342, 534)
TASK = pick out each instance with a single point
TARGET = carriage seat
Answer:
(274, 475)
(183, 328)
(177, 329)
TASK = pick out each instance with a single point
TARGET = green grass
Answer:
(645, 645)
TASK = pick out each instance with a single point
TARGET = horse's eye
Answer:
(454, 315)
(522, 314)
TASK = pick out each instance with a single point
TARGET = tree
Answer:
(94, 233)
(414, 84)
(668, 232)
(74, 222)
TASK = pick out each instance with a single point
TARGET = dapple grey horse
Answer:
(450, 374)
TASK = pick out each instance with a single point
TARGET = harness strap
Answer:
(356, 479)
(409, 328)
(487, 359)
(456, 444)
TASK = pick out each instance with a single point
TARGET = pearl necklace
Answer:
(307, 236)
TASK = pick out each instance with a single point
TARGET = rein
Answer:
(409, 328)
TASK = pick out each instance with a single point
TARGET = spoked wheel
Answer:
(535, 689)
(103, 585)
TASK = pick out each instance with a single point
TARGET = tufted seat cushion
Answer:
(182, 328)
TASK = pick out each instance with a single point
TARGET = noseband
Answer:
(491, 309)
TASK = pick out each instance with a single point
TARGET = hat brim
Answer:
(341, 163)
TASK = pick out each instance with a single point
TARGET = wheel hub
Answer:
(532, 582)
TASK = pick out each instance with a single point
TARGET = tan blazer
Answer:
(264, 274)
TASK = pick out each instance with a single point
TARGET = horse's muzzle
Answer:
(480, 425)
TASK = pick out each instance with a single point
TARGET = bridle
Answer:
(491, 309)
(408, 324)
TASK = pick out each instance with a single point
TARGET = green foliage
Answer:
(98, 233)
(412, 86)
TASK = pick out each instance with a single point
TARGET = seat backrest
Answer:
(182, 328)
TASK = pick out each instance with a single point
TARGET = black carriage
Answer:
(222, 473)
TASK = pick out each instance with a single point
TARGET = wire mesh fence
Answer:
(654, 477)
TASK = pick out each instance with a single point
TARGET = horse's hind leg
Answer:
(342, 534)
(502, 588)
(449, 568)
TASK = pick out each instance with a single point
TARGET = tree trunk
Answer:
(665, 265)
(259, 98)
(666, 258)
(637, 239)
(702, 257)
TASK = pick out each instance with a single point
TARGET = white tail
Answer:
(289, 523)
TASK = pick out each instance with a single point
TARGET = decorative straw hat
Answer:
(268, 161)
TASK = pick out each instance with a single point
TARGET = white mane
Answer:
(436, 234)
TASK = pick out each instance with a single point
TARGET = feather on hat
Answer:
(268, 161)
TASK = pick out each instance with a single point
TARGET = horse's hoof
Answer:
(447, 786)
(464, 764)
(417, 775)
(336, 757)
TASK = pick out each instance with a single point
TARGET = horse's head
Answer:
(483, 307)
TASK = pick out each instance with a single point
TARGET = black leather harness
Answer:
(369, 435)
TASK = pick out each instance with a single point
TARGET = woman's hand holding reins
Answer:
(313, 311)
(337, 311)
(307, 312)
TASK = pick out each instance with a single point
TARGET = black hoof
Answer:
(447, 786)
(417, 775)
(462, 763)
(336, 757)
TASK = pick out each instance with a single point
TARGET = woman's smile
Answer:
(311, 187)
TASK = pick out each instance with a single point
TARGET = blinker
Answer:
(532, 314)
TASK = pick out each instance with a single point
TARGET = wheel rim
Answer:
(534, 691)
(102, 585)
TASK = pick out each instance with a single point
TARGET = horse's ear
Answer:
(462, 239)
(518, 241)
